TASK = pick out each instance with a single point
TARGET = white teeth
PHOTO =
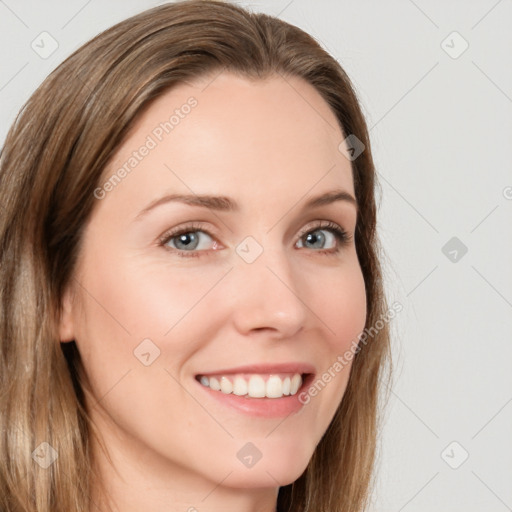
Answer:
(240, 386)
(214, 384)
(225, 385)
(255, 386)
(295, 384)
(286, 386)
(274, 387)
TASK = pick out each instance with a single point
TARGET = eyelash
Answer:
(342, 237)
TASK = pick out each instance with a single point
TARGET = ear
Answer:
(66, 324)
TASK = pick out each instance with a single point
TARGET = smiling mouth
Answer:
(256, 385)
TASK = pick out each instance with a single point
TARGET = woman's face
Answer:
(169, 290)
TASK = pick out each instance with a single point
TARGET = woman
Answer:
(189, 275)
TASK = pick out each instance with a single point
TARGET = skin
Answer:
(269, 145)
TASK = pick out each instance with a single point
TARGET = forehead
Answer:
(234, 136)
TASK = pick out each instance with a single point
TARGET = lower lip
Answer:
(261, 407)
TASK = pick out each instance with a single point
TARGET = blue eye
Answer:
(317, 237)
(188, 240)
(192, 240)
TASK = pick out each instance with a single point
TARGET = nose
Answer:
(266, 296)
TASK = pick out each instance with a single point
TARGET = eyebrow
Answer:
(226, 204)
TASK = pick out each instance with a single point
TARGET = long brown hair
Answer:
(51, 163)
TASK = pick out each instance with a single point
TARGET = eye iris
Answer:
(190, 241)
(316, 236)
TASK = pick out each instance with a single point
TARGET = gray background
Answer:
(441, 129)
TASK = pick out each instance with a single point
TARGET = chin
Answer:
(253, 479)
(272, 470)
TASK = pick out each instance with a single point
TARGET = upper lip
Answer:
(292, 367)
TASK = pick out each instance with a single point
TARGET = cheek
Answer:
(341, 305)
(339, 301)
(134, 315)
(140, 298)
(137, 312)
